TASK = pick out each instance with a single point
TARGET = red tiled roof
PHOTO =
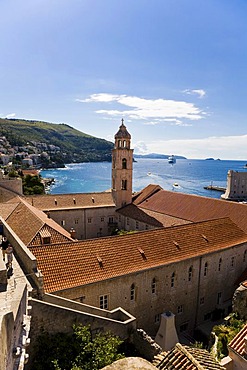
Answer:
(34, 220)
(30, 172)
(138, 214)
(149, 217)
(145, 193)
(188, 358)
(238, 343)
(195, 208)
(72, 264)
(67, 201)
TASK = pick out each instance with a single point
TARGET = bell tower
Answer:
(122, 167)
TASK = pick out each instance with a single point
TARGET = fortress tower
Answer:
(122, 167)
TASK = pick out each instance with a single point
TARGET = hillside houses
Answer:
(32, 154)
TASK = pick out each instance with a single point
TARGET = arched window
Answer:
(219, 265)
(190, 273)
(119, 143)
(124, 143)
(205, 269)
(132, 292)
(172, 279)
(245, 255)
(124, 184)
(153, 286)
(124, 163)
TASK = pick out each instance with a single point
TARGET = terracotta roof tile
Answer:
(71, 264)
(238, 343)
(138, 214)
(6, 209)
(188, 358)
(145, 193)
(195, 208)
(67, 201)
(149, 217)
(34, 220)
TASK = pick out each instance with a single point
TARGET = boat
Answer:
(172, 159)
(149, 173)
(175, 185)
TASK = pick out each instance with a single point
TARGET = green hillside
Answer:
(75, 145)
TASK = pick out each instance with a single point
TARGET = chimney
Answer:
(72, 233)
(167, 336)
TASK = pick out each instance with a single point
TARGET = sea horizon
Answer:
(188, 175)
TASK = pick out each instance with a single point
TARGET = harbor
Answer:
(213, 187)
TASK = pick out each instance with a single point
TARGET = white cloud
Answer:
(223, 147)
(201, 93)
(141, 148)
(10, 115)
(146, 109)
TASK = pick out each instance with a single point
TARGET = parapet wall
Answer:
(61, 317)
(145, 345)
(25, 258)
(12, 184)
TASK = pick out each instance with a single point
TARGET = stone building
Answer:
(186, 249)
(236, 186)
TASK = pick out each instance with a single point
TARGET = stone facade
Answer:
(182, 288)
(236, 186)
(122, 168)
(239, 301)
(87, 222)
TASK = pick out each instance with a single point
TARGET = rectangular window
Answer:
(127, 221)
(201, 300)
(146, 227)
(183, 327)
(180, 309)
(89, 220)
(137, 225)
(110, 220)
(102, 219)
(157, 318)
(103, 302)
(46, 240)
(219, 295)
(207, 316)
(119, 218)
(232, 262)
(63, 222)
(76, 221)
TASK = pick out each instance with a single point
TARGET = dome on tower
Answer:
(122, 132)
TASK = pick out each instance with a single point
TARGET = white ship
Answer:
(172, 159)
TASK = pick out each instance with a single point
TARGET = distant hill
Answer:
(157, 156)
(75, 145)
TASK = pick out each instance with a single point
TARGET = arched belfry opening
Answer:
(122, 167)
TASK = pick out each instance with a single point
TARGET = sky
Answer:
(174, 70)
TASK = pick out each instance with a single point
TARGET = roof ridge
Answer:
(190, 356)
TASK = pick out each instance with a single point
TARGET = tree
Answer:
(79, 351)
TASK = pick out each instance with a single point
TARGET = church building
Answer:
(183, 252)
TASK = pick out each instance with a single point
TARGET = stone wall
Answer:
(145, 345)
(55, 318)
(25, 258)
(12, 184)
(87, 222)
(192, 306)
(239, 302)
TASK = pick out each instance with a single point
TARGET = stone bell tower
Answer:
(122, 167)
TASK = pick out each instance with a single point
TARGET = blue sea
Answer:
(190, 176)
